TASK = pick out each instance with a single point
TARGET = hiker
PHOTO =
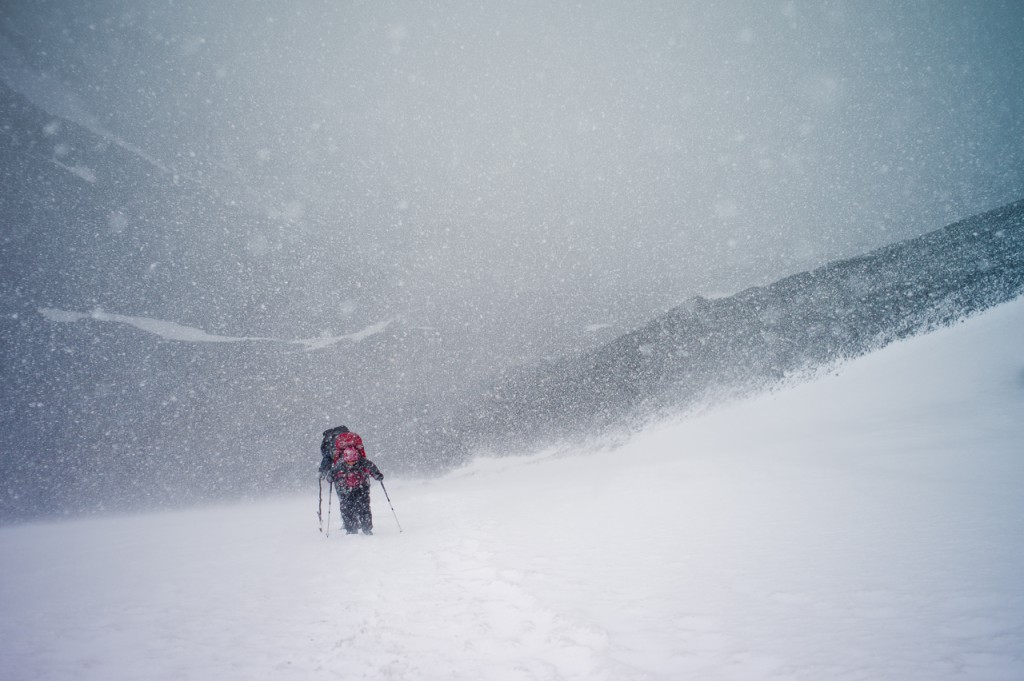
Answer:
(350, 470)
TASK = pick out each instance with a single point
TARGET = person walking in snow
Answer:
(350, 471)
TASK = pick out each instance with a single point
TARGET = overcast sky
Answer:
(612, 152)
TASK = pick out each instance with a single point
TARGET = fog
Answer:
(601, 151)
(521, 179)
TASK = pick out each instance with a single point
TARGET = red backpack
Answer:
(343, 440)
(350, 477)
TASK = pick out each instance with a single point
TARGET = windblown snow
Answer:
(865, 525)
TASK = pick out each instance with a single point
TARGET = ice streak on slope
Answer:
(57, 99)
(178, 332)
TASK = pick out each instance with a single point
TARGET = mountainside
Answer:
(757, 337)
(105, 246)
(114, 416)
(865, 525)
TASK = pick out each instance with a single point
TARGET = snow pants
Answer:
(355, 509)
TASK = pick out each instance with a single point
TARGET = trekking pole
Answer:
(330, 502)
(389, 504)
(320, 507)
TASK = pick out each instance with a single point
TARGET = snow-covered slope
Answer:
(867, 525)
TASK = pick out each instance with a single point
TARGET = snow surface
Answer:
(866, 525)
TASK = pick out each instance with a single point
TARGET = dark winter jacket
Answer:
(327, 448)
(350, 477)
